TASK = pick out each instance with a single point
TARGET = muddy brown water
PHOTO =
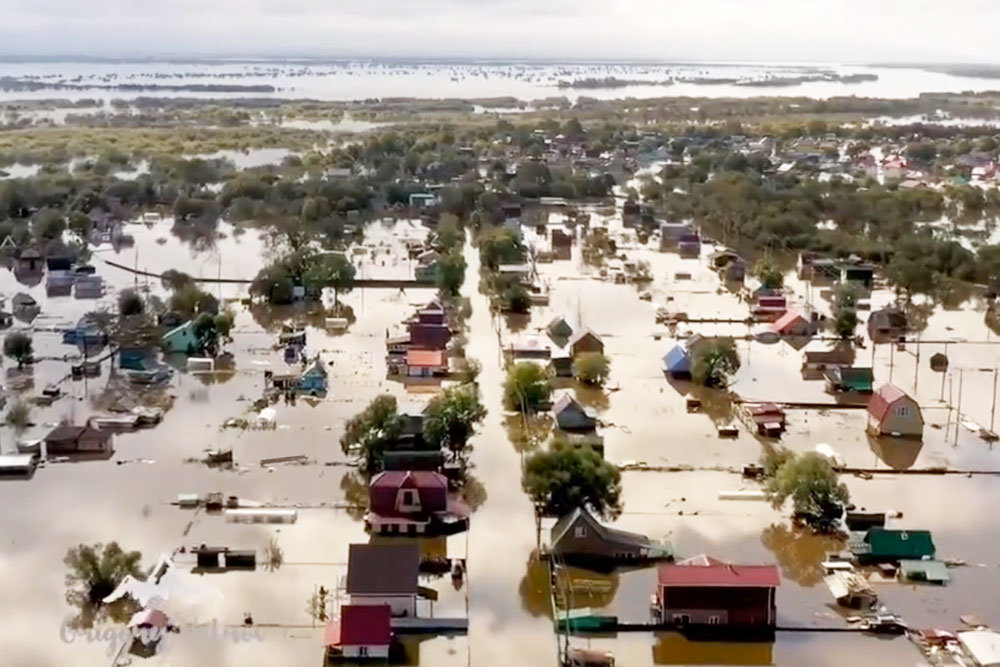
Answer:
(505, 597)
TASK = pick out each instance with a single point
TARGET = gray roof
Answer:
(563, 525)
(382, 569)
(570, 414)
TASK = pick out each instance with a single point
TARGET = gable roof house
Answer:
(887, 324)
(413, 502)
(570, 415)
(891, 411)
(585, 340)
(707, 592)
(78, 440)
(181, 339)
(559, 328)
(362, 632)
(677, 362)
(792, 323)
(384, 574)
(849, 378)
(580, 539)
(313, 379)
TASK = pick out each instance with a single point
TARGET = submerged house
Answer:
(677, 362)
(704, 591)
(313, 379)
(585, 340)
(849, 378)
(413, 502)
(181, 339)
(891, 411)
(571, 416)
(579, 538)
(559, 328)
(882, 545)
(887, 324)
(81, 440)
(363, 632)
(792, 323)
(384, 574)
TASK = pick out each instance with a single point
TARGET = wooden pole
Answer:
(993, 407)
(958, 408)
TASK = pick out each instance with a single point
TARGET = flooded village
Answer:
(600, 383)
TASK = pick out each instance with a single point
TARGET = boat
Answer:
(115, 422)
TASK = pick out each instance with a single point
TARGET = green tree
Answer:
(332, 270)
(19, 415)
(769, 275)
(130, 303)
(925, 151)
(274, 283)
(513, 297)
(845, 322)
(48, 224)
(368, 433)
(448, 234)
(93, 573)
(818, 499)
(714, 362)
(451, 417)
(565, 478)
(207, 334)
(191, 300)
(80, 224)
(500, 245)
(527, 387)
(451, 272)
(591, 368)
(17, 345)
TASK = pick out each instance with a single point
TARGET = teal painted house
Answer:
(313, 379)
(181, 339)
(881, 545)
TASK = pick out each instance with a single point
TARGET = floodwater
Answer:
(506, 596)
(355, 80)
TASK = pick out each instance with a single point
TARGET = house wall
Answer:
(906, 424)
(399, 605)
(381, 652)
(591, 543)
(588, 344)
(731, 606)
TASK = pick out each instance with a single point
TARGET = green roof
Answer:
(900, 544)
(924, 570)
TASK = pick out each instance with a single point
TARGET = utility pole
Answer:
(916, 368)
(958, 409)
(892, 358)
(944, 372)
(993, 408)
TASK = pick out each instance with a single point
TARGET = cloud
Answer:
(799, 30)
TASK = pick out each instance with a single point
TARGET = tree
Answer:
(94, 571)
(769, 275)
(591, 368)
(924, 151)
(714, 361)
(845, 322)
(818, 499)
(451, 417)
(130, 303)
(368, 433)
(330, 270)
(191, 300)
(527, 387)
(511, 294)
(451, 272)
(206, 334)
(17, 345)
(565, 478)
(48, 224)
(500, 245)
(19, 415)
(448, 234)
(274, 283)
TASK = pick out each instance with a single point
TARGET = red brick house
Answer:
(411, 502)
(703, 591)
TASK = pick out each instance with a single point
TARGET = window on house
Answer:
(362, 651)
(680, 619)
(903, 411)
(580, 531)
(713, 619)
(409, 499)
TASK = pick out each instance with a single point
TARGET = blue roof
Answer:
(677, 360)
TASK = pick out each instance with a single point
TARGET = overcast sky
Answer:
(791, 30)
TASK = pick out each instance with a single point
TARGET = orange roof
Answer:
(425, 358)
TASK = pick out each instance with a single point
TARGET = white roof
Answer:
(16, 460)
(983, 646)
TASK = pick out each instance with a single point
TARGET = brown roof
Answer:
(382, 569)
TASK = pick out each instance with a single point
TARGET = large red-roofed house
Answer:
(704, 591)
(363, 632)
(891, 411)
(407, 502)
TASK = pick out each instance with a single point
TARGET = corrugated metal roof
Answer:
(726, 576)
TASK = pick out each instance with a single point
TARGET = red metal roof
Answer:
(882, 400)
(726, 576)
(364, 625)
(785, 321)
(414, 479)
(425, 358)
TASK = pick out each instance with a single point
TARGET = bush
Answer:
(591, 368)
(527, 387)
(818, 499)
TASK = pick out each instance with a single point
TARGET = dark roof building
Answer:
(571, 416)
(579, 538)
(382, 569)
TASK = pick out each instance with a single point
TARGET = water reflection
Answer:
(526, 433)
(800, 552)
(355, 488)
(672, 648)
(592, 397)
(897, 453)
(534, 588)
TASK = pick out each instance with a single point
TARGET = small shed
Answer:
(585, 340)
(849, 378)
(891, 411)
(181, 339)
(931, 571)
(792, 323)
(559, 328)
